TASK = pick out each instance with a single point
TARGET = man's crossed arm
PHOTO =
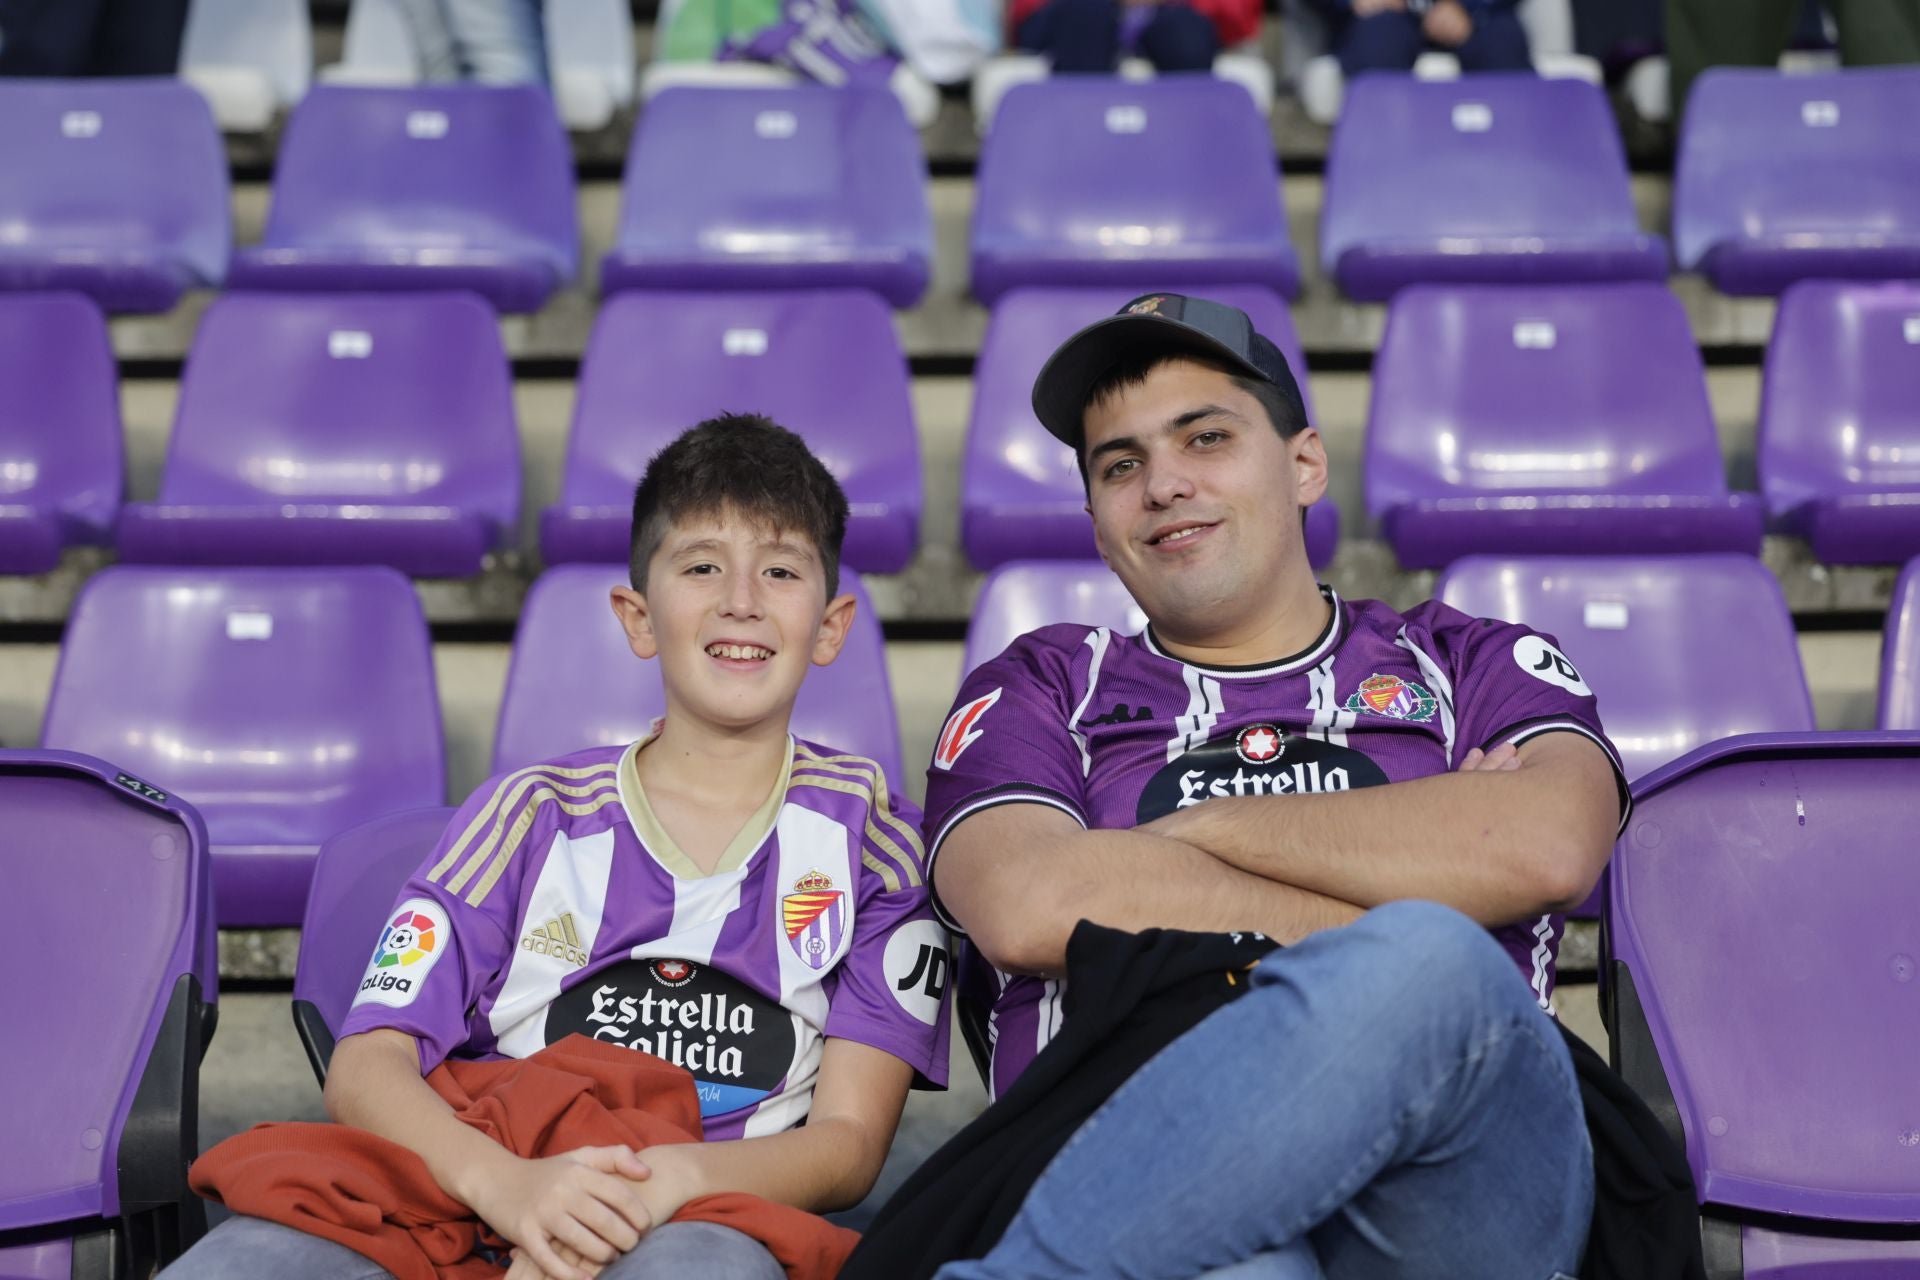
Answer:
(1512, 835)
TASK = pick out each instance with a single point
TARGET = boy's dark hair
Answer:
(1285, 410)
(745, 465)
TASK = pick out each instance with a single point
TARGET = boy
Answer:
(719, 894)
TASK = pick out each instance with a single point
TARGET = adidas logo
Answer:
(556, 938)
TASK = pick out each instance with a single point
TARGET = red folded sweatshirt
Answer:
(377, 1198)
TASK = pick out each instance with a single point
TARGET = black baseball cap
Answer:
(1153, 323)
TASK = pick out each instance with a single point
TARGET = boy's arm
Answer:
(589, 1199)
(828, 1163)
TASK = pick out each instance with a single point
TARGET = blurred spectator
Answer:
(91, 37)
(486, 41)
(1388, 35)
(1754, 33)
(1091, 36)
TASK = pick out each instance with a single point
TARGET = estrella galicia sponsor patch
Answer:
(1544, 662)
(1298, 766)
(1394, 698)
(960, 731)
(416, 935)
(736, 1043)
(917, 966)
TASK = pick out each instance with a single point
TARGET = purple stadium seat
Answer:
(825, 364)
(356, 429)
(574, 682)
(803, 187)
(107, 930)
(1019, 597)
(116, 188)
(1097, 181)
(285, 704)
(60, 440)
(1503, 178)
(1900, 655)
(1020, 492)
(1501, 422)
(357, 877)
(1839, 437)
(431, 187)
(1680, 650)
(1794, 177)
(1761, 994)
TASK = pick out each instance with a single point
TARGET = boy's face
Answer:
(736, 614)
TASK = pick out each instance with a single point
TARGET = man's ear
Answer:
(630, 607)
(834, 625)
(1309, 456)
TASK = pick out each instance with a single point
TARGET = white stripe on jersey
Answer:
(1442, 687)
(1542, 953)
(809, 841)
(1203, 710)
(1097, 641)
(572, 879)
(1330, 723)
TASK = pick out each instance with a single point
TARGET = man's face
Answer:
(1196, 498)
(736, 614)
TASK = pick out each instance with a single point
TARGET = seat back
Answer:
(1900, 655)
(286, 704)
(574, 683)
(1020, 491)
(1763, 959)
(824, 364)
(1679, 651)
(60, 436)
(101, 174)
(1020, 597)
(1499, 390)
(383, 172)
(1828, 159)
(1484, 160)
(271, 37)
(797, 186)
(1093, 180)
(378, 399)
(118, 870)
(357, 878)
(1840, 401)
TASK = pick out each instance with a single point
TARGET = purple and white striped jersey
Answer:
(556, 903)
(1109, 729)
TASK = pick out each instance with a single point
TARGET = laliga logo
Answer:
(410, 938)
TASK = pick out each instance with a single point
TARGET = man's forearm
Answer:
(1499, 846)
(1136, 880)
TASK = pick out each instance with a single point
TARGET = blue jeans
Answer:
(1386, 1102)
(1085, 37)
(485, 41)
(1392, 41)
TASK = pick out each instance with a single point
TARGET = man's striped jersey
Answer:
(1113, 731)
(556, 903)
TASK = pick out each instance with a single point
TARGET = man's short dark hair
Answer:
(1285, 410)
(744, 465)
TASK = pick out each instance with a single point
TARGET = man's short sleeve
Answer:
(1511, 684)
(439, 950)
(1008, 738)
(893, 989)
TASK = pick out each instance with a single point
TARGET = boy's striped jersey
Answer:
(555, 903)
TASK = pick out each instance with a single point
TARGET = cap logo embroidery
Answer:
(1147, 306)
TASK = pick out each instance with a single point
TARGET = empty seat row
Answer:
(119, 188)
(380, 428)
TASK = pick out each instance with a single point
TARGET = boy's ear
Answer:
(834, 625)
(636, 620)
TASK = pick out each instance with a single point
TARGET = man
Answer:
(1389, 1100)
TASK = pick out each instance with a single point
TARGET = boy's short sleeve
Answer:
(893, 990)
(1008, 739)
(445, 942)
(1512, 683)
